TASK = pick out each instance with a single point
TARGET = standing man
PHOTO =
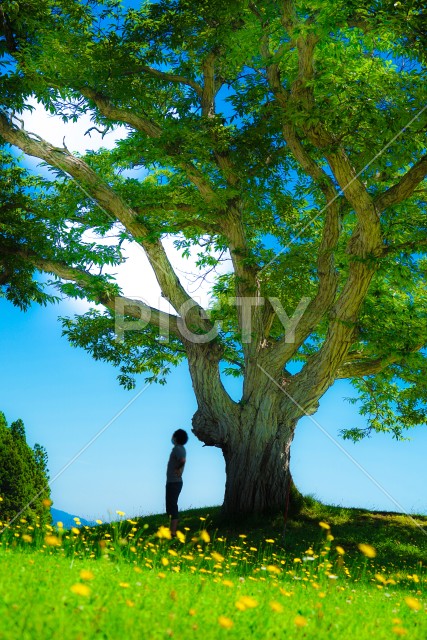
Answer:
(174, 477)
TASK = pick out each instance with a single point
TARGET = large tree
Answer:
(288, 136)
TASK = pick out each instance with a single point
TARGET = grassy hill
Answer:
(397, 538)
(335, 573)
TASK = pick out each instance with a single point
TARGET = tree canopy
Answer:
(289, 137)
(24, 488)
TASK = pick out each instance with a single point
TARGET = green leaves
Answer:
(141, 352)
(208, 99)
(21, 231)
(394, 400)
(23, 476)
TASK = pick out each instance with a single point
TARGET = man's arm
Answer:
(180, 467)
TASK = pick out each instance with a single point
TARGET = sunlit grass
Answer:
(331, 576)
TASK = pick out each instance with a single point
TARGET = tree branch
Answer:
(318, 373)
(368, 237)
(163, 75)
(360, 367)
(207, 227)
(282, 351)
(404, 188)
(152, 130)
(209, 89)
(93, 186)
(411, 246)
(87, 280)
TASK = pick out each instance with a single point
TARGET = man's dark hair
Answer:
(180, 436)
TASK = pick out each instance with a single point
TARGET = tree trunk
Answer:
(255, 436)
(257, 475)
(255, 440)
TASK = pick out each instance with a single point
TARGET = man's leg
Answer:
(174, 526)
(175, 490)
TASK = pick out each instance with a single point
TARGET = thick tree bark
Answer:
(255, 437)
(257, 475)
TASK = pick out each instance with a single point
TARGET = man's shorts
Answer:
(173, 489)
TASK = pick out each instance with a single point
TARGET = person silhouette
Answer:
(174, 473)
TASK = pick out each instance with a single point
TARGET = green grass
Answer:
(226, 580)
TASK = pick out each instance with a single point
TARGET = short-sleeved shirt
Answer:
(178, 453)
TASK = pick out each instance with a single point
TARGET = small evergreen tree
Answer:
(23, 475)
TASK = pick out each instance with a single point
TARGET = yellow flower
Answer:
(80, 589)
(130, 603)
(172, 552)
(165, 562)
(1, 499)
(380, 578)
(192, 612)
(202, 519)
(225, 622)
(270, 540)
(324, 525)
(120, 513)
(98, 521)
(300, 621)
(367, 550)
(124, 585)
(27, 538)
(246, 602)
(75, 531)
(273, 569)
(340, 551)
(52, 541)
(297, 560)
(414, 577)
(85, 574)
(413, 603)
(204, 535)
(399, 631)
(217, 556)
(164, 533)
(180, 536)
(46, 502)
(276, 606)
(77, 520)
(227, 583)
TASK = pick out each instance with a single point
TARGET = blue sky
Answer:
(65, 398)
